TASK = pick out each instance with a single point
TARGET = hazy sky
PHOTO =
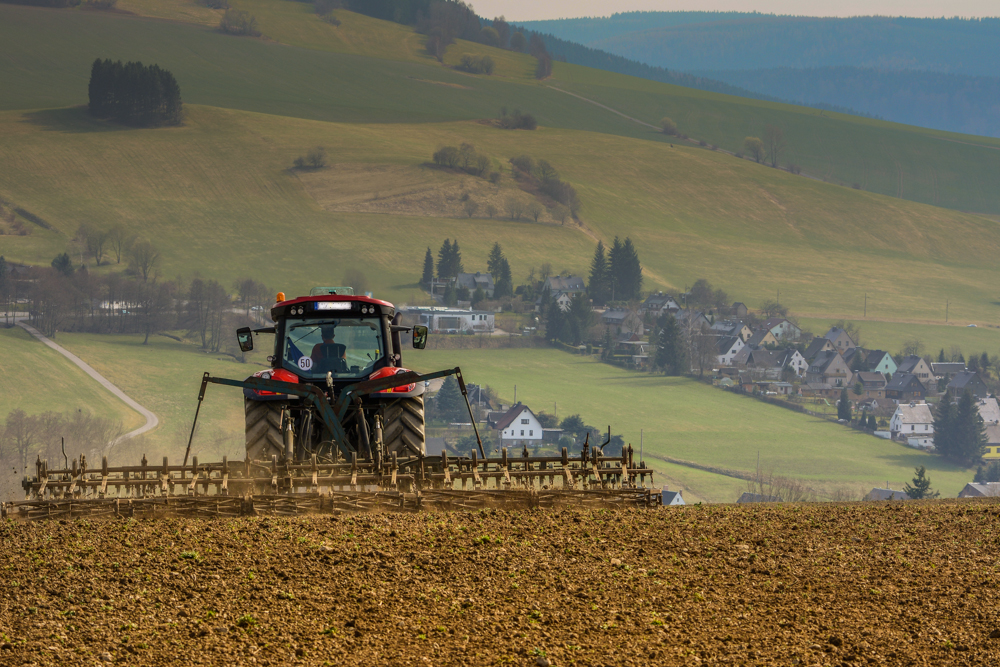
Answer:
(528, 10)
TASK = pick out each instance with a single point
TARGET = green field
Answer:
(37, 379)
(217, 196)
(280, 75)
(680, 419)
(687, 420)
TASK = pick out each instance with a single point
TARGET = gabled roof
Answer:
(758, 336)
(907, 364)
(785, 356)
(904, 382)
(673, 498)
(566, 283)
(815, 347)
(918, 413)
(762, 358)
(775, 321)
(726, 343)
(886, 494)
(867, 378)
(875, 357)
(835, 332)
(658, 300)
(952, 367)
(474, 280)
(512, 414)
(989, 410)
(823, 360)
(963, 379)
(980, 490)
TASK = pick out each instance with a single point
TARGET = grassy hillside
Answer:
(687, 420)
(37, 379)
(892, 336)
(324, 77)
(218, 196)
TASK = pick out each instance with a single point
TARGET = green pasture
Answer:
(316, 70)
(218, 197)
(934, 167)
(164, 376)
(687, 420)
(37, 379)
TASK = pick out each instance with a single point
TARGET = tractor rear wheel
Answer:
(263, 429)
(403, 431)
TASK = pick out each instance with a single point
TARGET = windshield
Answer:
(347, 348)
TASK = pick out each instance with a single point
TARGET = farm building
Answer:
(453, 320)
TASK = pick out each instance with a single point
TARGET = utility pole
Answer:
(947, 302)
(515, 394)
(866, 304)
(640, 445)
(777, 298)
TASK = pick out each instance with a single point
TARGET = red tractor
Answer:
(333, 340)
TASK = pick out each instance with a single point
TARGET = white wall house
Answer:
(454, 320)
(519, 426)
(728, 346)
(915, 422)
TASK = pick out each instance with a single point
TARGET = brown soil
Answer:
(881, 584)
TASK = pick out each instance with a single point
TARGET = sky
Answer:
(533, 10)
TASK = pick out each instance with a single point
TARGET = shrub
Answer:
(524, 164)
(794, 168)
(239, 22)
(101, 4)
(476, 64)
(517, 120)
(447, 157)
(702, 143)
(668, 126)
(216, 4)
(314, 159)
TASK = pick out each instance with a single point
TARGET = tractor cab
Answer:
(333, 337)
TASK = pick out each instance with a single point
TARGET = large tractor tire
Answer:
(403, 431)
(263, 429)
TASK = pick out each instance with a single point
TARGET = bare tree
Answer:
(119, 240)
(774, 142)
(491, 210)
(560, 213)
(754, 148)
(535, 210)
(704, 347)
(144, 258)
(515, 207)
(471, 207)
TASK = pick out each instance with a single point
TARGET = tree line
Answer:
(134, 94)
(544, 176)
(617, 275)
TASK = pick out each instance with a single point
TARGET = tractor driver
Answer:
(329, 354)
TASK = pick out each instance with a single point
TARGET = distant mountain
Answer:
(688, 41)
(939, 73)
(954, 102)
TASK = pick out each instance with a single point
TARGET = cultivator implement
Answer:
(303, 487)
(336, 425)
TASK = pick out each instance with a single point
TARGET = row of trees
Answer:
(768, 149)
(959, 431)
(134, 94)
(544, 176)
(464, 158)
(617, 275)
(24, 437)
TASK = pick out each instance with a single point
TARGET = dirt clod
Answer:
(415, 589)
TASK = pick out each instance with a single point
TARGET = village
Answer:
(771, 358)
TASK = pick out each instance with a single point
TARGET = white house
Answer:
(453, 320)
(728, 346)
(793, 358)
(658, 304)
(519, 426)
(672, 497)
(915, 422)
(782, 329)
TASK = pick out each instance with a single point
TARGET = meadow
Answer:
(35, 378)
(219, 198)
(684, 419)
(358, 61)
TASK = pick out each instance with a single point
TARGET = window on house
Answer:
(522, 431)
(912, 428)
(531, 433)
(524, 421)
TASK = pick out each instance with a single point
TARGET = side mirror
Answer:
(245, 338)
(419, 336)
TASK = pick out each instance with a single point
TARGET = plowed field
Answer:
(900, 584)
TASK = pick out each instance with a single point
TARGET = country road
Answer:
(151, 419)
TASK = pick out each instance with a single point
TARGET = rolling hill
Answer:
(220, 199)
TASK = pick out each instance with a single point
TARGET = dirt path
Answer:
(151, 419)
